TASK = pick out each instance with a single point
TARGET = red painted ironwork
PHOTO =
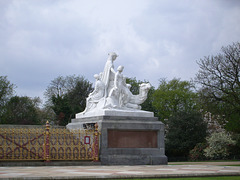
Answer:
(23, 146)
(11, 143)
(87, 140)
(48, 144)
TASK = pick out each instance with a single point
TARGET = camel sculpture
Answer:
(134, 101)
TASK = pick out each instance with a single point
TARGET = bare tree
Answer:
(219, 77)
(6, 92)
(66, 96)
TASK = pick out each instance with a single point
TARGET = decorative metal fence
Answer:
(48, 144)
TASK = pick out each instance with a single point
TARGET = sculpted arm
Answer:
(112, 70)
(95, 90)
(115, 81)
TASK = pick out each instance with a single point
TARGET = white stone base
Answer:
(115, 112)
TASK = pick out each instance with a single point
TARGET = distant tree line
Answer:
(196, 113)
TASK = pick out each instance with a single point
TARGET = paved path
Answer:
(111, 172)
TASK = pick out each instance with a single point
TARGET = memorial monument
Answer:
(129, 135)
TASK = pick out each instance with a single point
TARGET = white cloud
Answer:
(42, 39)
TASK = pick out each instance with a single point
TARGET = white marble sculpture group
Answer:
(112, 92)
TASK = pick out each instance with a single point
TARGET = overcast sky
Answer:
(43, 39)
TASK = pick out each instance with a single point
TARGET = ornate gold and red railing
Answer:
(48, 144)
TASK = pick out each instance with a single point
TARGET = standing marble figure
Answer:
(109, 73)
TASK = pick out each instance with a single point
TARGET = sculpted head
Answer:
(129, 86)
(120, 68)
(113, 55)
(97, 76)
(145, 86)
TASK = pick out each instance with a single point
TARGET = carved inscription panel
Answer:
(132, 139)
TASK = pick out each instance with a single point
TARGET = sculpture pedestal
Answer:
(127, 140)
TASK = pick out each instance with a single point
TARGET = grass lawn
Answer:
(216, 163)
(231, 165)
(199, 178)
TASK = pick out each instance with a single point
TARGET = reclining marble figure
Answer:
(112, 92)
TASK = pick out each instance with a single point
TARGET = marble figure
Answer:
(112, 92)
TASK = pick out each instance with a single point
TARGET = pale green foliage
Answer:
(174, 96)
(218, 145)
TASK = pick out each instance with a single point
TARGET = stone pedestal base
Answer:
(127, 140)
(133, 160)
